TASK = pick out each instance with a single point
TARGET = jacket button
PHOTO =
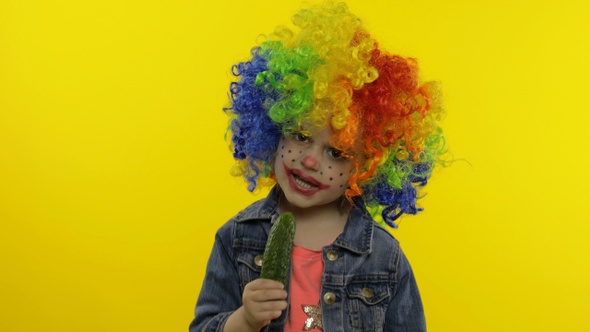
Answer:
(332, 255)
(367, 293)
(329, 298)
(258, 260)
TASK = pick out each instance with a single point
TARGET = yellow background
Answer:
(114, 172)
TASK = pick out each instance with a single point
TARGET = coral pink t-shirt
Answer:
(305, 313)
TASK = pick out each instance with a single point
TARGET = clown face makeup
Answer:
(309, 170)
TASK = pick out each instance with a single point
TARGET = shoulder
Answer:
(382, 236)
(265, 208)
(250, 224)
(373, 237)
(385, 244)
(248, 213)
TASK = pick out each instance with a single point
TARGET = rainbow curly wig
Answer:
(330, 72)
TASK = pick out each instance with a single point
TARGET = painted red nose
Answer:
(310, 163)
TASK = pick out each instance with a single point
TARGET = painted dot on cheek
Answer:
(289, 151)
(293, 160)
(282, 156)
(340, 174)
(330, 179)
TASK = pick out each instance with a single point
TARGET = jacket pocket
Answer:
(367, 304)
(249, 264)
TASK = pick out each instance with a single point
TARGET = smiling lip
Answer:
(295, 175)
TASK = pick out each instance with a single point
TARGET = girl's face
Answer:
(310, 171)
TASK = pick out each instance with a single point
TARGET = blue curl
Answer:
(398, 201)
(255, 135)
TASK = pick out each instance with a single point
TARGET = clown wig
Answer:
(330, 72)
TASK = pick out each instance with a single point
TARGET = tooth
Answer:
(302, 183)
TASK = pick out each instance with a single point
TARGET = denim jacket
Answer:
(367, 283)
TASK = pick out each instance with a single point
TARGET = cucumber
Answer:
(276, 260)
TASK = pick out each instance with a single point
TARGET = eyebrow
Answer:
(304, 131)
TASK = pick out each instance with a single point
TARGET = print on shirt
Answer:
(314, 317)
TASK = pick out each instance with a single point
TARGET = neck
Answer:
(319, 225)
(338, 208)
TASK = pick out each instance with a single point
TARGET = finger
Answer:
(268, 283)
(267, 316)
(270, 306)
(264, 295)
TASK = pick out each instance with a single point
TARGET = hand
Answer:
(264, 300)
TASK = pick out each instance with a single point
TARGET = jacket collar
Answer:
(356, 237)
(267, 208)
(358, 232)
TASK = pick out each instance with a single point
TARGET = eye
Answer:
(335, 153)
(301, 137)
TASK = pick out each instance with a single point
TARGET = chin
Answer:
(301, 202)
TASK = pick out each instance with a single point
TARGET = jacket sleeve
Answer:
(405, 312)
(220, 294)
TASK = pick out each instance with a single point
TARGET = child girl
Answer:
(346, 134)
